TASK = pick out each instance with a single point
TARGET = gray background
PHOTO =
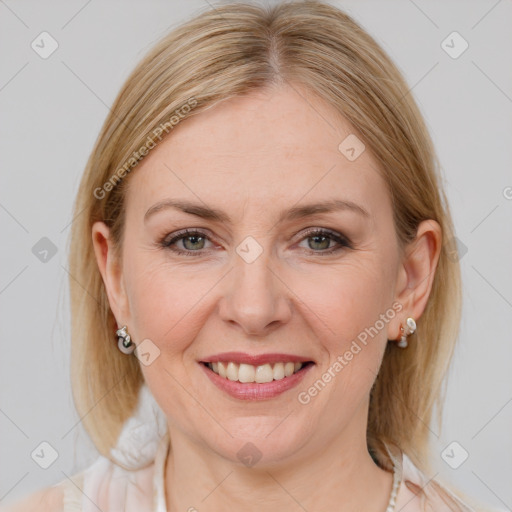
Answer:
(52, 110)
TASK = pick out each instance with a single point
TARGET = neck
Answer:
(338, 475)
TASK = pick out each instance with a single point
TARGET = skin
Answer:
(255, 157)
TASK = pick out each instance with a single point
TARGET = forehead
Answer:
(264, 149)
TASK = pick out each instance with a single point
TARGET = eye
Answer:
(193, 242)
(324, 241)
(186, 242)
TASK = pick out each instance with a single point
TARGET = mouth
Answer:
(255, 377)
(261, 374)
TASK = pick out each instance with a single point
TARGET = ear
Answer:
(416, 272)
(111, 271)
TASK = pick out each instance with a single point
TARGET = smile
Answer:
(249, 373)
(255, 377)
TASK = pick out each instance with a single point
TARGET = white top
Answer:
(108, 487)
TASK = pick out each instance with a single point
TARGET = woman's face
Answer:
(291, 257)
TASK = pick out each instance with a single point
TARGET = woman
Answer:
(263, 245)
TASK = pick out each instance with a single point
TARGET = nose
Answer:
(255, 299)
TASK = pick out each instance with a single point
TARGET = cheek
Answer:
(350, 309)
(343, 301)
(166, 307)
(162, 299)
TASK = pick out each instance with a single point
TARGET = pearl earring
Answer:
(410, 328)
(124, 341)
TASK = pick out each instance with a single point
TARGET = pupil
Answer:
(194, 239)
(321, 240)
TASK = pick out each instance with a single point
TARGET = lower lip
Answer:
(254, 390)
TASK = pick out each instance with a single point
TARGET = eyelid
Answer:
(340, 237)
(182, 233)
(342, 240)
(316, 229)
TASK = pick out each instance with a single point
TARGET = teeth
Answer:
(279, 371)
(249, 373)
(232, 371)
(246, 373)
(221, 369)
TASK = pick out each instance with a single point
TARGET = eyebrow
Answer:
(294, 213)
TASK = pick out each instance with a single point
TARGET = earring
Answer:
(410, 328)
(124, 342)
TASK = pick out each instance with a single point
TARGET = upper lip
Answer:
(253, 359)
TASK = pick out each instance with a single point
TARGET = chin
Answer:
(261, 441)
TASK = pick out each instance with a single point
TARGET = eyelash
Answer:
(343, 241)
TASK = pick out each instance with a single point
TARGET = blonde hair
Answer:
(229, 51)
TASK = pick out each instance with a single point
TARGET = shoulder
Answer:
(50, 499)
(419, 493)
(103, 483)
(65, 496)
